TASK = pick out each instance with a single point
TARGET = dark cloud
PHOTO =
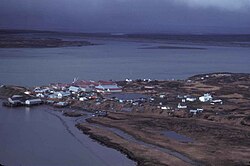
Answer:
(214, 16)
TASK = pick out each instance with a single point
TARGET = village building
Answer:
(181, 106)
(41, 90)
(206, 97)
(108, 86)
(40, 95)
(73, 88)
(162, 96)
(59, 95)
(85, 86)
(35, 101)
(218, 101)
(16, 99)
(195, 111)
(191, 99)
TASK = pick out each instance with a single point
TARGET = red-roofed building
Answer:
(85, 85)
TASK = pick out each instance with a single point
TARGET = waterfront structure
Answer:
(30, 102)
(16, 99)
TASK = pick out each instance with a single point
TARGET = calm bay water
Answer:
(36, 137)
(116, 60)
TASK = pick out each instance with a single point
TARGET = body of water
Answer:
(116, 60)
(38, 136)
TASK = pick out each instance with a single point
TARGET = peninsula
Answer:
(202, 120)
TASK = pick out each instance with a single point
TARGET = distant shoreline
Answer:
(174, 47)
(40, 43)
(47, 39)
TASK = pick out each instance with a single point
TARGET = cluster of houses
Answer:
(187, 99)
(82, 90)
(59, 91)
(60, 95)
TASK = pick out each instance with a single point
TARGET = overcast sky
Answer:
(169, 16)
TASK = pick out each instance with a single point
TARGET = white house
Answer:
(162, 96)
(40, 95)
(83, 98)
(62, 94)
(191, 99)
(218, 101)
(165, 108)
(206, 97)
(181, 106)
(59, 95)
(128, 80)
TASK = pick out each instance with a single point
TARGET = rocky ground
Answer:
(213, 143)
(220, 134)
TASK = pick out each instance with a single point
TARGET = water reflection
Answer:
(27, 113)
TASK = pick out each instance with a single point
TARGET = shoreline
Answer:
(104, 141)
(137, 154)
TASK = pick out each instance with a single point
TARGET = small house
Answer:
(165, 108)
(59, 95)
(181, 106)
(40, 95)
(206, 97)
(162, 96)
(219, 101)
(196, 111)
(41, 90)
(191, 99)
